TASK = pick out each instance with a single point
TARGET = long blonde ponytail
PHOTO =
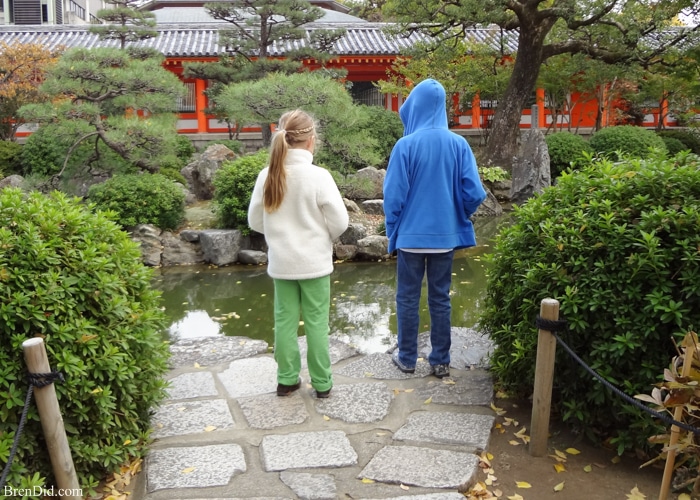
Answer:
(295, 127)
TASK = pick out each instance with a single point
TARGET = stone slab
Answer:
(424, 467)
(469, 348)
(357, 403)
(192, 385)
(474, 388)
(210, 351)
(193, 467)
(250, 377)
(338, 349)
(310, 486)
(380, 366)
(307, 449)
(270, 411)
(465, 429)
(430, 496)
(191, 417)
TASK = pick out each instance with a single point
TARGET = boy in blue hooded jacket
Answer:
(431, 189)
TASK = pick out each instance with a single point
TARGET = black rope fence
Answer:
(560, 325)
(38, 380)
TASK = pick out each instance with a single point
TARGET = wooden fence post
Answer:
(52, 422)
(544, 377)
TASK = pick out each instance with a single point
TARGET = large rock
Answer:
(354, 233)
(366, 184)
(373, 207)
(148, 237)
(530, 173)
(177, 251)
(220, 246)
(490, 207)
(373, 247)
(199, 173)
(12, 181)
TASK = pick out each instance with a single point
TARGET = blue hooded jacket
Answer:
(432, 185)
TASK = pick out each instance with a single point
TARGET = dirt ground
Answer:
(593, 474)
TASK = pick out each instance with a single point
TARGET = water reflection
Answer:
(238, 300)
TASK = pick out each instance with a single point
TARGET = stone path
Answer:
(224, 434)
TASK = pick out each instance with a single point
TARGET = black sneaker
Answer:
(441, 371)
(287, 390)
(323, 394)
(399, 364)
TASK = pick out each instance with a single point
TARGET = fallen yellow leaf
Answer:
(209, 428)
(523, 484)
(428, 401)
(560, 454)
(515, 497)
(188, 470)
(587, 468)
(635, 494)
(326, 417)
(403, 487)
(448, 381)
(572, 451)
(408, 390)
(558, 458)
(559, 468)
(196, 365)
(559, 487)
(514, 442)
(683, 496)
(615, 460)
(499, 411)
(367, 480)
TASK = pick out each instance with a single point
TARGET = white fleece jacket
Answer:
(300, 233)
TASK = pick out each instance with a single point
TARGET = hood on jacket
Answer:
(424, 107)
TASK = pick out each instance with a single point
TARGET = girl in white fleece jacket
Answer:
(298, 208)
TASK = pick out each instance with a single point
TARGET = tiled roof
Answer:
(190, 40)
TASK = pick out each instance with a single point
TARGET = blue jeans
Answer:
(410, 270)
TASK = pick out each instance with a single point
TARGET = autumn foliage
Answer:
(23, 67)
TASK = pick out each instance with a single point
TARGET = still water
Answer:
(238, 300)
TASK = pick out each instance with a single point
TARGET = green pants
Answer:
(310, 299)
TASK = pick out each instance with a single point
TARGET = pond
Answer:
(237, 300)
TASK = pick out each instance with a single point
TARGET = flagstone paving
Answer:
(224, 434)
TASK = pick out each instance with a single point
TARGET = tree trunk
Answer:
(502, 144)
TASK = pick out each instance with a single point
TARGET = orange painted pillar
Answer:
(200, 104)
(663, 112)
(541, 118)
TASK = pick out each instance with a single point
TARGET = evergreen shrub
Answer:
(565, 148)
(70, 275)
(689, 138)
(141, 199)
(45, 151)
(184, 149)
(617, 245)
(626, 139)
(674, 146)
(9, 158)
(233, 186)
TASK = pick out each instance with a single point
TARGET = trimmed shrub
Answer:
(71, 276)
(565, 148)
(385, 126)
(10, 162)
(674, 146)
(184, 149)
(617, 245)
(690, 139)
(626, 139)
(233, 186)
(141, 199)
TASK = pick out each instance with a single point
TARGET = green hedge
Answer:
(626, 139)
(233, 186)
(71, 276)
(689, 138)
(565, 149)
(141, 199)
(617, 245)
